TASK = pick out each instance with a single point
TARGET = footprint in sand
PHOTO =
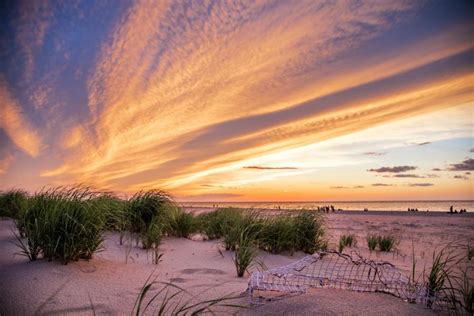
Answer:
(177, 280)
(202, 271)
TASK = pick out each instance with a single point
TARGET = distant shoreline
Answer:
(323, 201)
(203, 209)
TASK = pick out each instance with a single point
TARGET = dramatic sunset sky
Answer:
(240, 101)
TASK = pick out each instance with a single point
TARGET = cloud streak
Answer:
(374, 153)
(466, 165)
(407, 175)
(396, 169)
(423, 143)
(270, 168)
(15, 124)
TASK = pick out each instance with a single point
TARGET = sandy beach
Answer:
(110, 282)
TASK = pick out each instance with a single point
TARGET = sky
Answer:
(240, 100)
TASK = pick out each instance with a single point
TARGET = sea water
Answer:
(422, 206)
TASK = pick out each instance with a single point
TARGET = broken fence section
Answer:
(331, 269)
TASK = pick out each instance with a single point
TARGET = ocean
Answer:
(432, 206)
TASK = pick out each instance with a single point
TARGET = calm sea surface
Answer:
(432, 206)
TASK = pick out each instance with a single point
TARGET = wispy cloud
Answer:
(269, 168)
(423, 143)
(338, 187)
(15, 123)
(424, 184)
(407, 175)
(374, 153)
(5, 163)
(461, 177)
(32, 25)
(382, 185)
(410, 175)
(395, 169)
(466, 165)
(165, 67)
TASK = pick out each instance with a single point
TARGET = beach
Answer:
(110, 282)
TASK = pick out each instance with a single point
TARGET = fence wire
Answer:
(331, 269)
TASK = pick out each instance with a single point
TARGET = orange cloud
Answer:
(5, 163)
(15, 124)
(179, 93)
(33, 22)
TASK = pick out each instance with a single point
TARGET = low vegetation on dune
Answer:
(278, 235)
(449, 281)
(347, 241)
(372, 242)
(165, 298)
(218, 223)
(67, 224)
(13, 203)
(245, 250)
(62, 223)
(246, 231)
(297, 231)
(386, 242)
(382, 242)
(149, 215)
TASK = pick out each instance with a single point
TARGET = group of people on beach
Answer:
(326, 209)
(454, 211)
(412, 209)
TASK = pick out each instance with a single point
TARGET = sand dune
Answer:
(111, 281)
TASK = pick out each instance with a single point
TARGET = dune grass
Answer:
(278, 234)
(386, 242)
(347, 241)
(465, 290)
(372, 241)
(13, 203)
(310, 231)
(170, 299)
(184, 224)
(153, 214)
(245, 250)
(63, 223)
(459, 293)
(470, 252)
(297, 231)
(218, 223)
(439, 274)
(145, 208)
(67, 223)
(246, 231)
